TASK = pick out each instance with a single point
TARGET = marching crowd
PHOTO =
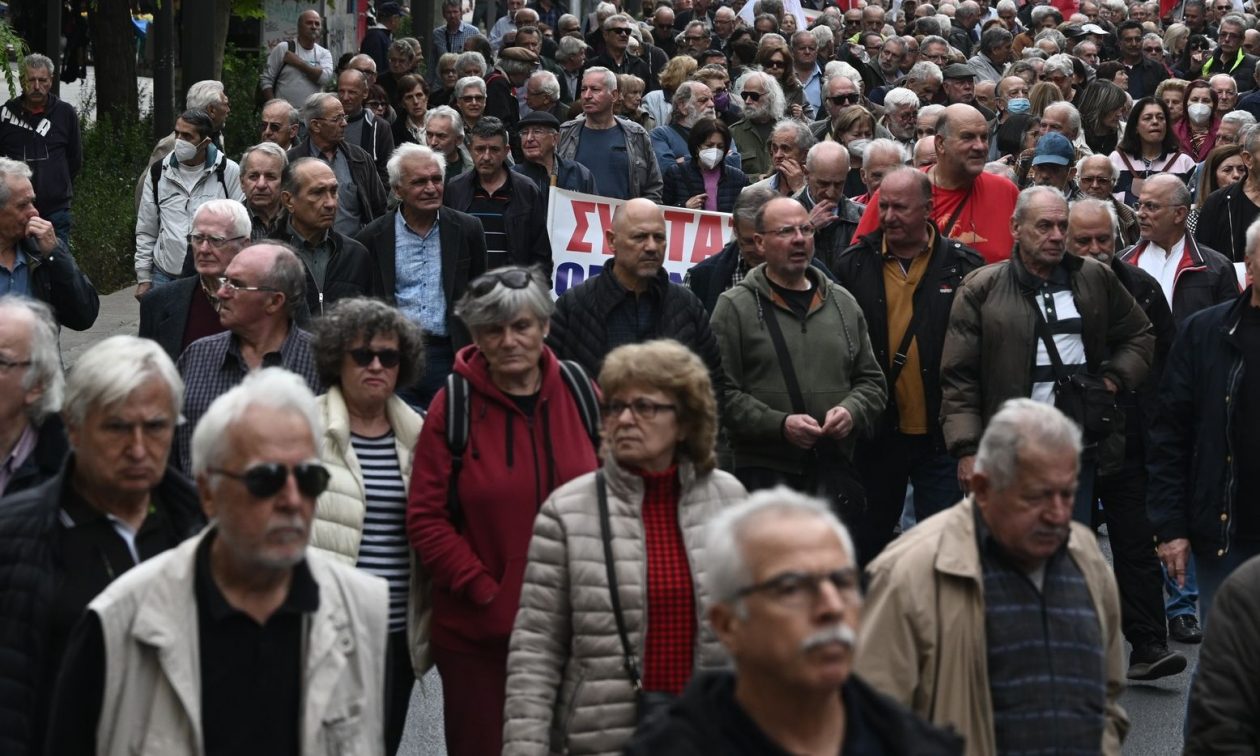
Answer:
(987, 290)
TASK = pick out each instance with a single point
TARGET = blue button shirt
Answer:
(418, 275)
(18, 280)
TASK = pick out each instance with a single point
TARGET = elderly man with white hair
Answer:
(764, 106)
(178, 314)
(112, 504)
(282, 647)
(955, 603)
(878, 158)
(787, 607)
(32, 436)
(901, 109)
(924, 79)
(841, 90)
(834, 216)
(617, 151)
(692, 101)
(790, 141)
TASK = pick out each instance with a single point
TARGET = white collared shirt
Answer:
(1163, 264)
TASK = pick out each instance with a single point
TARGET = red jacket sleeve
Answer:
(445, 554)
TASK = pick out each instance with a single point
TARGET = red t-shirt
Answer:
(985, 223)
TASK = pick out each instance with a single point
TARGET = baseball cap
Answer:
(1054, 148)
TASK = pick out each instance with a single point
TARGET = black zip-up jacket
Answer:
(51, 447)
(524, 219)
(579, 327)
(684, 181)
(350, 272)
(1192, 466)
(860, 270)
(1223, 221)
(30, 555)
(708, 720)
(57, 281)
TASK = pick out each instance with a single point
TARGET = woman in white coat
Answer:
(363, 350)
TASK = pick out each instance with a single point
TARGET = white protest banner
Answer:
(789, 6)
(576, 224)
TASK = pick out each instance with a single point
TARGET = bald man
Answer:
(925, 152)
(298, 68)
(968, 205)
(633, 300)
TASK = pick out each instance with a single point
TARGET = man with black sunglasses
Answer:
(616, 56)
(282, 648)
(280, 123)
(840, 92)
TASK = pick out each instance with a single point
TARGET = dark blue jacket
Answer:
(684, 181)
(524, 218)
(570, 175)
(1192, 466)
(50, 143)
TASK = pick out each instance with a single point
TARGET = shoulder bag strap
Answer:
(958, 211)
(457, 433)
(605, 532)
(579, 384)
(902, 354)
(785, 359)
(1043, 330)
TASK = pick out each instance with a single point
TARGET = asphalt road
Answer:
(1156, 709)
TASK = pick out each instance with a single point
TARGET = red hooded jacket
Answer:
(511, 465)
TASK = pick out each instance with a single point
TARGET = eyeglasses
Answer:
(472, 98)
(751, 96)
(620, 31)
(8, 364)
(776, 64)
(270, 126)
(1228, 35)
(535, 132)
(1153, 50)
(218, 242)
(374, 104)
(343, 118)
(1092, 180)
(266, 479)
(231, 287)
(788, 232)
(513, 278)
(692, 38)
(644, 409)
(845, 99)
(363, 357)
(803, 588)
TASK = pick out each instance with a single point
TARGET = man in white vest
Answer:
(239, 640)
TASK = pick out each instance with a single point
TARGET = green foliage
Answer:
(12, 48)
(240, 79)
(248, 9)
(103, 238)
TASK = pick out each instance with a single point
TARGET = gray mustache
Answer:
(842, 634)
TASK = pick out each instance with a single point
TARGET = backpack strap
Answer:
(457, 431)
(219, 172)
(579, 384)
(155, 174)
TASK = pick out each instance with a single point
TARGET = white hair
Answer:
(829, 151)
(473, 58)
(885, 146)
(44, 355)
(272, 388)
(108, 372)
(468, 82)
(726, 569)
(203, 94)
(1059, 64)
(1240, 117)
(1253, 236)
(1100, 205)
(1019, 425)
(900, 97)
(822, 34)
(233, 211)
(548, 83)
(270, 149)
(925, 70)
(774, 92)
(411, 151)
(1073, 115)
(449, 113)
(610, 78)
(1029, 195)
(840, 68)
(1080, 166)
(1006, 5)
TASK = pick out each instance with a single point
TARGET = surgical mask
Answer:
(1017, 105)
(1199, 111)
(857, 148)
(185, 151)
(710, 157)
(722, 100)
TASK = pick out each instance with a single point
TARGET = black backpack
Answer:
(458, 426)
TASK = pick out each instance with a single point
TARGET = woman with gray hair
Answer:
(611, 624)
(469, 100)
(32, 437)
(512, 424)
(364, 350)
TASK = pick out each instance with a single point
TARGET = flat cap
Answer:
(539, 118)
(959, 71)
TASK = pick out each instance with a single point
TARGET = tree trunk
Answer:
(222, 17)
(114, 54)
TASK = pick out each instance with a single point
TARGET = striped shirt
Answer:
(1057, 306)
(489, 208)
(384, 551)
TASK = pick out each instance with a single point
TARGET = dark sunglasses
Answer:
(845, 99)
(265, 480)
(363, 357)
(513, 278)
(752, 96)
(620, 31)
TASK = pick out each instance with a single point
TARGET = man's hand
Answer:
(43, 233)
(838, 423)
(801, 431)
(143, 288)
(793, 174)
(823, 214)
(697, 202)
(1111, 385)
(796, 111)
(966, 466)
(293, 59)
(1174, 555)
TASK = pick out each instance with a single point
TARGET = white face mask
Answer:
(185, 151)
(710, 157)
(1199, 111)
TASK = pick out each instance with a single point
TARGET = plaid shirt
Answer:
(671, 615)
(212, 365)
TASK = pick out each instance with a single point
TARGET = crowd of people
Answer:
(987, 289)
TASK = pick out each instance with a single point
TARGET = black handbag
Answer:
(649, 704)
(829, 472)
(1083, 397)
